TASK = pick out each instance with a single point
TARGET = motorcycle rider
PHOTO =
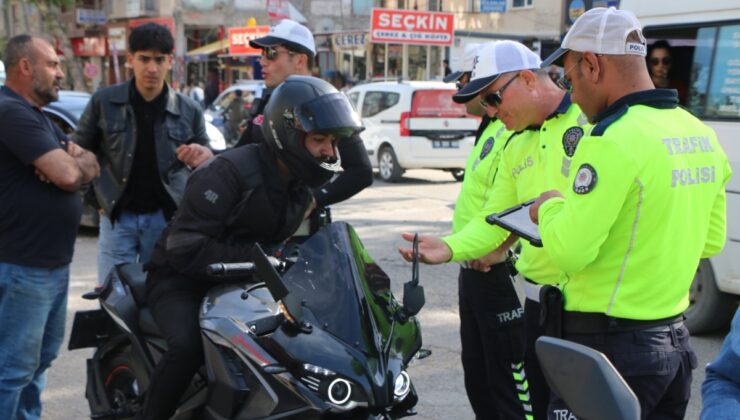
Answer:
(256, 193)
(289, 48)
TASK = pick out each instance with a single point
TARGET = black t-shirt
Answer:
(38, 220)
(144, 191)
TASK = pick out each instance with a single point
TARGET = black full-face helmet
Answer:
(302, 105)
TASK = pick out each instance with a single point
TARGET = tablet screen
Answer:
(520, 219)
(517, 221)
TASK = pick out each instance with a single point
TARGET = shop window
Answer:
(515, 4)
(376, 102)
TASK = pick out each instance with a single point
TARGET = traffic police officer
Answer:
(490, 346)
(513, 88)
(646, 201)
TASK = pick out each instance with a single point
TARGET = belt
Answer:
(465, 266)
(531, 289)
(597, 323)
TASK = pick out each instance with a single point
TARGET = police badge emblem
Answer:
(487, 147)
(570, 140)
(585, 179)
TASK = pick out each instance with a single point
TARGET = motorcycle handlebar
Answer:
(238, 269)
(230, 269)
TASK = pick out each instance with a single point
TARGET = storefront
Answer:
(200, 59)
(351, 54)
(92, 54)
(342, 55)
(409, 44)
(242, 61)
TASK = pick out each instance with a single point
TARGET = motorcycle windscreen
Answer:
(343, 288)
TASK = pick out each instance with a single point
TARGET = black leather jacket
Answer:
(108, 129)
(232, 201)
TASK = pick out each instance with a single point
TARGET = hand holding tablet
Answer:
(517, 221)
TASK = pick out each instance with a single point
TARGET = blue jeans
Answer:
(33, 306)
(721, 388)
(130, 239)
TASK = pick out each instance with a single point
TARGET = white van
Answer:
(414, 125)
(704, 37)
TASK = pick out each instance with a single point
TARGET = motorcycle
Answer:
(317, 335)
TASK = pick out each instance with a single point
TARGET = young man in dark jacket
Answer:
(256, 193)
(146, 136)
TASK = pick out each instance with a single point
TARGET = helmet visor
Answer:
(330, 113)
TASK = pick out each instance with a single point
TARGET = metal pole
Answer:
(351, 74)
(429, 61)
(386, 61)
(405, 61)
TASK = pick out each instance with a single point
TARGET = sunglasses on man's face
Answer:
(654, 61)
(272, 53)
(494, 98)
(565, 83)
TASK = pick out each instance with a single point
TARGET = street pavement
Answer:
(421, 202)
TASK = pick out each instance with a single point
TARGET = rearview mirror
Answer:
(413, 294)
(586, 380)
(290, 304)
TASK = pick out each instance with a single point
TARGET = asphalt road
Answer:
(421, 202)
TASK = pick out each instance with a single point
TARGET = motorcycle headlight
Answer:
(339, 391)
(402, 386)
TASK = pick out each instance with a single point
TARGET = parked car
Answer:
(66, 113)
(251, 90)
(412, 125)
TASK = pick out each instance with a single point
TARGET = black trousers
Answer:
(656, 365)
(492, 337)
(539, 390)
(176, 314)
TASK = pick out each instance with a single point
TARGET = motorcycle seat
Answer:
(134, 276)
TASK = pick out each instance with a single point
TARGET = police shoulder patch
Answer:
(487, 147)
(571, 137)
(585, 180)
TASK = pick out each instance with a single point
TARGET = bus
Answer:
(704, 39)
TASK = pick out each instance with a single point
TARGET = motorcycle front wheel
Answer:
(122, 383)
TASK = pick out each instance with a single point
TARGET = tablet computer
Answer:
(516, 220)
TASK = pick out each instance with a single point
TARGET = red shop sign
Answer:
(239, 39)
(412, 27)
(88, 47)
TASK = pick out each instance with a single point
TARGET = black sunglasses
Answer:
(654, 61)
(564, 83)
(494, 98)
(272, 53)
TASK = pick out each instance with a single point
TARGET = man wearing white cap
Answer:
(515, 90)
(645, 202)
(289, 49)
(489, 346)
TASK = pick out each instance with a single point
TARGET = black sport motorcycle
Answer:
(317, 335)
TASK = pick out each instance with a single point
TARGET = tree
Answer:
(49, 10)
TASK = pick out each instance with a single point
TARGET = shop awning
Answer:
(202, 53)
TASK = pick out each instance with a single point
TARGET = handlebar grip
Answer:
(230, 269)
